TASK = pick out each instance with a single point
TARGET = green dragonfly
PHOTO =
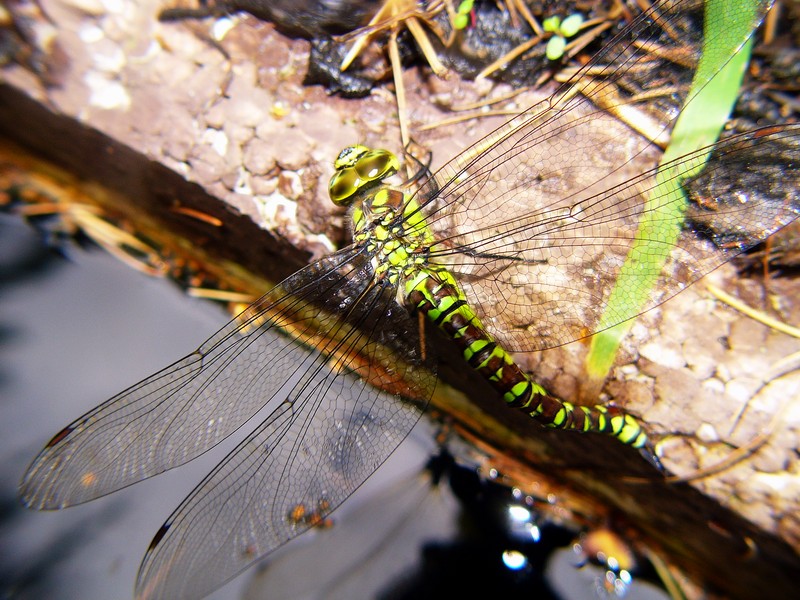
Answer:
(330, 360)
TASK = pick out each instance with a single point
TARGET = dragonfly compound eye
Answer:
(357, 167)
(349, 157)
(343, 186)
(376, 165)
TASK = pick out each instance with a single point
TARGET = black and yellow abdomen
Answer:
(435, 292)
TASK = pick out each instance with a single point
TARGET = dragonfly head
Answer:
(359, 169)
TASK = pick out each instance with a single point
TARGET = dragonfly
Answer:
(334, 365)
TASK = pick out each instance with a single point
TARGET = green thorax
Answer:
(386, 220)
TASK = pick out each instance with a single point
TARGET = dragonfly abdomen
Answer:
(435, 292)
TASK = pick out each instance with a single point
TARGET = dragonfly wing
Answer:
(566, 265)
(331, 432)
(183, 410)
(537, 219)
(748, 189)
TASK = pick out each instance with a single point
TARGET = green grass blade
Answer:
(728, 27)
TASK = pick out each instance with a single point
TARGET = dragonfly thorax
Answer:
(379, 223)
(385, 220)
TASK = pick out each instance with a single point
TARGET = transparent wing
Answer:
(330, 433)
(180, 412)
(537, 219)
(545, 278)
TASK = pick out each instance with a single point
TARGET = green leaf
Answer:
(571, 25)
(461, 19)
(728, 25)
(552, 24)
(555, 47)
